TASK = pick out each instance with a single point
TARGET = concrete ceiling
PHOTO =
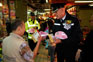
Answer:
(41, 4)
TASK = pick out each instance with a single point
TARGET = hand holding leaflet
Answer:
(43, 33)
(35, 36)
(32, 30)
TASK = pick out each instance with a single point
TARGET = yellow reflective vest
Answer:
(29, 24)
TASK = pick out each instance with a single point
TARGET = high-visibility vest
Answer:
(1, 57)
(29, 24)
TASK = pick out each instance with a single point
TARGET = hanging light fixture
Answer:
(1, 4)
(91, 4)
(83, 1)
(46, 1)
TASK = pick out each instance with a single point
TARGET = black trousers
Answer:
(84, 57)
(51, 51)
(67, 54)
(31, 43)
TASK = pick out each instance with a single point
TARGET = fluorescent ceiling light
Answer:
(47, 9)
(46, 1)
(28, 12)
(91, 4)
(1, 4)
(83, 1)
(41, 13)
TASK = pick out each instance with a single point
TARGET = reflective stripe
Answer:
(26, 30)
(31, 25)
(0, 48)
(29, 37)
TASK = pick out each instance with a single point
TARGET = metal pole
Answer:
(8, 3)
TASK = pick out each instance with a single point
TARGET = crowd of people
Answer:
(16, 49)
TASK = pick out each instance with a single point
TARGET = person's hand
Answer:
(53, 44)
(32, 30)
(40, 38)
(43, 38)
(58, 41)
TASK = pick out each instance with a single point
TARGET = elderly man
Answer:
(15, 48)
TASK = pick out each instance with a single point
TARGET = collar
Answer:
(16, 36)
(64, 17)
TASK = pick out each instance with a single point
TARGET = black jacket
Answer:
(74, 33)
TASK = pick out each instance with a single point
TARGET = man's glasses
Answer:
(55, 11)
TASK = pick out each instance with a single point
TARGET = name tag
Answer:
(57, 24)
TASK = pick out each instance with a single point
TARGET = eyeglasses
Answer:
(55, 11)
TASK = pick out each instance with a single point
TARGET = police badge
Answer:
(67, 25)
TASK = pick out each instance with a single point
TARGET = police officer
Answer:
(66, 49)
(31, 23)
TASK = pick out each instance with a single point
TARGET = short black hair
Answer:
(32, 14)
(16, 23)
(55, 6)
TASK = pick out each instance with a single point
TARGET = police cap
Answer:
(32, 14)
(56, 6)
